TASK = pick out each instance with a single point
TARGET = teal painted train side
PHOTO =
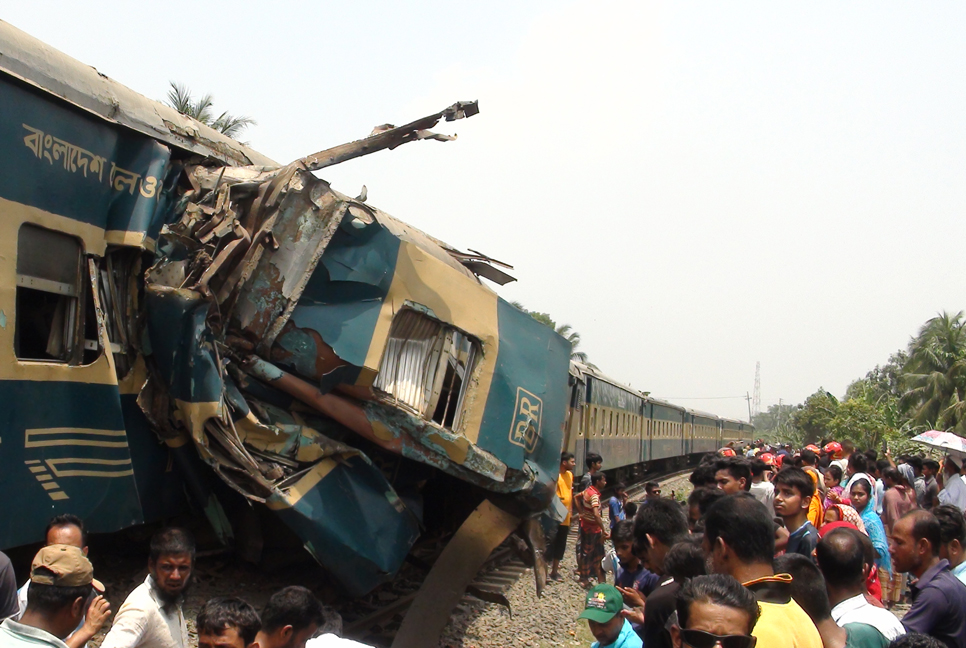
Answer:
(181, 316)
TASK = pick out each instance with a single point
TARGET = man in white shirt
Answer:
(857, 469)
(761, 488)
(841, 558)
(151, 616)
(953, 488)
(63, 588)
(290, 618)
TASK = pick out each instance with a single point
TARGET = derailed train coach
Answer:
(161, 281)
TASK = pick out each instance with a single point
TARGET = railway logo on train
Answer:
(526, 424)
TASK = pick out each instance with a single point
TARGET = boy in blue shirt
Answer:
(629, 570)
(793, 495)
(615, 505)
(603, 613)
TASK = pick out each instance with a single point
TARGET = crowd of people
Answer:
(62, 605)
(775, 547)
(819, 547)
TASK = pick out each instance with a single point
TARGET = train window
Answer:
(427, 366)
(50, 296)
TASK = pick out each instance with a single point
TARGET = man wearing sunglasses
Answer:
(715, 611)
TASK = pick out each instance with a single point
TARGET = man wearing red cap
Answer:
(62, 587)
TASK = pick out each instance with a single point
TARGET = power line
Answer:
(674, 398)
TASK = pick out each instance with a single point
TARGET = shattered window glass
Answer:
(50, 287)
(426, 367)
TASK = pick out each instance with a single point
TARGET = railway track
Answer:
(375, 618)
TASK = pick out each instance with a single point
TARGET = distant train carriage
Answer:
(731, 430)
(635, 432)
(607, 418)
(667, 429)
(705, 431)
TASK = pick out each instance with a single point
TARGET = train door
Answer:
(688, 433)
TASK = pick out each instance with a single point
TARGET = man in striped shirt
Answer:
(592, 533)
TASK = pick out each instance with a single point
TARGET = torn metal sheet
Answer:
(291, 341)
(453, 571)
(270, 285)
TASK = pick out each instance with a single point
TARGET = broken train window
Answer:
(51, 297)
(427, 366)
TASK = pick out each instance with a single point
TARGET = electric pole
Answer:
(756, 399)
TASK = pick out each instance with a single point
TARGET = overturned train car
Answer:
(161, 281)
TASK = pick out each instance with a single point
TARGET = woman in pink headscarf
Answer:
(845, 513)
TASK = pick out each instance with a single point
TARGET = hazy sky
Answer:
(693, 186)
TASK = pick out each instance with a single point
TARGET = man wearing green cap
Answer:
(603, 613)
(62, 586)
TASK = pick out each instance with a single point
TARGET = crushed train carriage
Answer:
(158, 279)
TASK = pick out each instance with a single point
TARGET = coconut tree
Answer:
(572, 336)
(564, 330)
(935, 375)
(179, 98)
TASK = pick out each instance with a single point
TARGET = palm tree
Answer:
(179, 98)
(568, 333)
(935, 374)
(564, 330)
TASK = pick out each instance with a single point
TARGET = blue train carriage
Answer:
(731, 431)
(607, 418)
(87, 171)
(667, 429)
(704, 432)
(284, 335)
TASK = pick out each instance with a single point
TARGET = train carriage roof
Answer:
(582, 370)
(26, 58)
(664, 403)
(706, 415)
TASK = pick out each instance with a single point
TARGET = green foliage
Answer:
(861, 422)
(544, 319)
(776, 424)
(564, 330)
(917, 389)
(815, 416)
(934, 376)
(179, 98)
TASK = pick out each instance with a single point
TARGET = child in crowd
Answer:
(793, 495)
(628, 569)
(832, 477)
(615, 505)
